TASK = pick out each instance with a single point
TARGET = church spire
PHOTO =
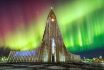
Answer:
(51, 7)
(52, 15)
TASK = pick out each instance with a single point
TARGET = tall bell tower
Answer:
(52, 47)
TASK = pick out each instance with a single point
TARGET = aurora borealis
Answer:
(22, 23)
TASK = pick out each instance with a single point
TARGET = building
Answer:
(52, 48)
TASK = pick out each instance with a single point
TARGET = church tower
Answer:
(53, 48)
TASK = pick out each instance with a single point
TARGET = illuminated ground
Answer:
(51, 66)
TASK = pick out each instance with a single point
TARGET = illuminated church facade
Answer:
(52, 48)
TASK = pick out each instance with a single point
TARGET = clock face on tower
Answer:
(52, 19)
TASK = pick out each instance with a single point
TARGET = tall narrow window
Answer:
(53, 46)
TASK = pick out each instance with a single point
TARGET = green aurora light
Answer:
(81, 24)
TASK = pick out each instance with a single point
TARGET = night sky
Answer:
(22, 24)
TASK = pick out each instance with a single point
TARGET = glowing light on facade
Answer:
(52, 19)
(53, 46)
